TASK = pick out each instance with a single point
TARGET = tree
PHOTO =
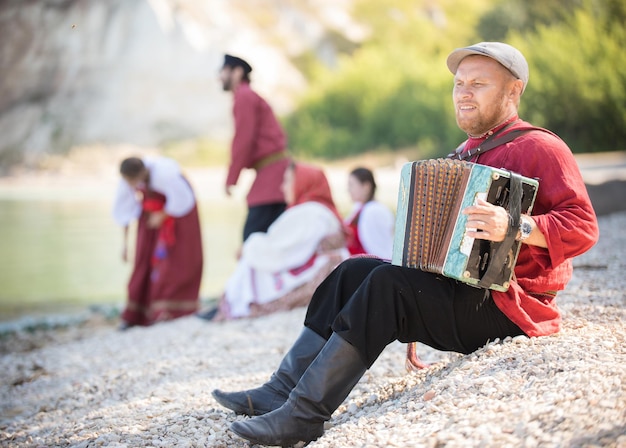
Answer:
(578, 80)
(394, 91)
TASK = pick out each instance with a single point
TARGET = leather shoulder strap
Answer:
(490, 144)
(494, 143)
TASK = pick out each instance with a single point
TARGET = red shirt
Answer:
(564, 214)
(257, 135)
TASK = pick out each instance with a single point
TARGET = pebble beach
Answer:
(90, 385)
(76, 381)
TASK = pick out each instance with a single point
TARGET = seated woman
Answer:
(280, 269)
(371, 223)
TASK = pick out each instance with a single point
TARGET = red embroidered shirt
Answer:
(258, 134)
(564, 214)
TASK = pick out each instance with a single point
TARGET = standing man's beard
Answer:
(226, 85)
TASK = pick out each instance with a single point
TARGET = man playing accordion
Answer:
(366, 303)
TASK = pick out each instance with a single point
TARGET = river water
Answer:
(60, 250)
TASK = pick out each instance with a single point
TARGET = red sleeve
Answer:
(565, 216)
(246, 125)
(562, 210)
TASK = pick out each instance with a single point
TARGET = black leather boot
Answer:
(323, 387)
(274, 393)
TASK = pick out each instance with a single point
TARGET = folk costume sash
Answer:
(154, 202)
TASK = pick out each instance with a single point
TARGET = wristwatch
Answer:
(525, 228)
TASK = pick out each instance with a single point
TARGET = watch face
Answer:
(526, 228)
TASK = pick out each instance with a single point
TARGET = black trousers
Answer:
(371, 303)
(261, 216)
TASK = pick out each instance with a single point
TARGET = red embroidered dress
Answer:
(167, 270)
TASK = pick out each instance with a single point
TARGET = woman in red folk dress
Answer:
(167, 270)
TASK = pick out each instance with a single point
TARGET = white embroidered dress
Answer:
(275, 263)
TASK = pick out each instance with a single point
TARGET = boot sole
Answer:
(286, 444)
(237, 408)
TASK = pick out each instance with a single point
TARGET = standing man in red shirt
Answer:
(259, 143)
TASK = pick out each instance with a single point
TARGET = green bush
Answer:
(394, 91)
(578, 82)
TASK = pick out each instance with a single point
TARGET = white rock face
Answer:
(76, 72)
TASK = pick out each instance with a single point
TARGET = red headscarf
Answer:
(310, 184)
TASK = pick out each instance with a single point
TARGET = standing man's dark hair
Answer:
(259, 143)
(234, 61)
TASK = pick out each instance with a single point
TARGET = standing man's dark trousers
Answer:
(371, 303)
(260, 217)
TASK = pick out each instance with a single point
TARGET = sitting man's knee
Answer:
(361, 263)
(382, 271)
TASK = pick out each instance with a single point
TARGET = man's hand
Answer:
(486, 221)
(228, 190)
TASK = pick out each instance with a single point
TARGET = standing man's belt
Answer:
(268, 160)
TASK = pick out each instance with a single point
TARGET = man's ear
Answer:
(518, 88)
(237, 73)
(515, 91)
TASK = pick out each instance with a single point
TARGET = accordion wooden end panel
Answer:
(430, 231)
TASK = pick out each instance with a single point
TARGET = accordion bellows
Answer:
(430, 229)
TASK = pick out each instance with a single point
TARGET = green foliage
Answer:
(523, 16)
(578, 82)
(394, 91)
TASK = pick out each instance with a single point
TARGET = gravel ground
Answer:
(89, 385)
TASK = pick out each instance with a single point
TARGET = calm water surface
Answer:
(63, 254)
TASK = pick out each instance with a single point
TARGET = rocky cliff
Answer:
(80, 72)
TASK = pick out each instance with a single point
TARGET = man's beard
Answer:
(483, 124)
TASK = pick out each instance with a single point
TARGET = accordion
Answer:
(430, 229)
